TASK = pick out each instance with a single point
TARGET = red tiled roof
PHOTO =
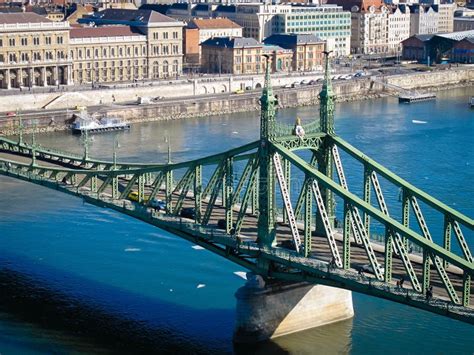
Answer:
(213, 23)
(106, 31)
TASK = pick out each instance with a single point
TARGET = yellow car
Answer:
(239, 91)
(133, 196)
(80, 108)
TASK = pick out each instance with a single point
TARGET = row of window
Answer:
(156, 35)
(36, 56)
(12, 42)
(319, 16)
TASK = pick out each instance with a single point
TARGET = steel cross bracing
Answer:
(226, 192)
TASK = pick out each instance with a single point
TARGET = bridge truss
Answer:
(270, 206)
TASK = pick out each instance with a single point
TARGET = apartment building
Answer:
(109, 54)
(199, 30)
(398, 27)
(307, 50)
(164, 38)
(232, 55)
(424, 19)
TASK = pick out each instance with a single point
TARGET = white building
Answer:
(446, 17)
(328, 22)
(424, 19)
(398, 27)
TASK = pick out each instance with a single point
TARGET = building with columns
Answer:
(33, 51)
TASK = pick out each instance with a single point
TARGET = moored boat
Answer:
(471, 102)
(85, 122)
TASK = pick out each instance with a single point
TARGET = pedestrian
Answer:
(400, 282)
(429, 293)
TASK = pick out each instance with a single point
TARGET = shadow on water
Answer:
(117, 329)
(106, 325)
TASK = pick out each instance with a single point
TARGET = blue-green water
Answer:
(76, 278)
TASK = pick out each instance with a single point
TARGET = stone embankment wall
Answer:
(218, 104)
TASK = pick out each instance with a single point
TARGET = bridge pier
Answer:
(272, 310)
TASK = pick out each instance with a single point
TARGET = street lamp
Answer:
(116, 146)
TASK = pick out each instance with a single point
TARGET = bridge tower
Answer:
(265, 309)
(324, 156)
(266, 184)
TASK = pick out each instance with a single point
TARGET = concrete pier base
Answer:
(273, 310)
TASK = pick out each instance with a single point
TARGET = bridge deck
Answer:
(320, 247)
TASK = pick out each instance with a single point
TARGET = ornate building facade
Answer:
(33, 51)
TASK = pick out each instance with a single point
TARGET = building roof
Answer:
(231, 42)
(105, 31)
(9, 10)
(126, 15)
(40, 10)
(457, 36)
(273, 47)
(291, 39)
(212, 23)
(161, 8)
(24, 17)
(225, 8)
(362, 5)
(202, 7)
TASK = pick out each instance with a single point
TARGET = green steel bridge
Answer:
(237, 216)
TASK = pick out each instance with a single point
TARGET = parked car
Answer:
(304, 82)
(288, 86)
(295, 84)
(11, 114)
(188, 212)
(312, 82)
(80, 108)
(239, 91)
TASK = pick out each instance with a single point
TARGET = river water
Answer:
(75, 278)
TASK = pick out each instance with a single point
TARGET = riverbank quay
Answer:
(56, 116)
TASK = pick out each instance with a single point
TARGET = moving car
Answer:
(188, 212)
(158, 204)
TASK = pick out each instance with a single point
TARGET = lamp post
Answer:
(33, 145)
(86, 142)
(116, 146)
(20, 128)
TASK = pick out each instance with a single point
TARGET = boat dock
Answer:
(415, 97)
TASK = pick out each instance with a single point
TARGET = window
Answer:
(165, 67)
(24, 41)
(175, 35)
(11, 41)
(36, 41)
(96, 53)
(59, 40)
(47, 40)
(2, 59)
(175, 66)
(1, 43)
(165, 35)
